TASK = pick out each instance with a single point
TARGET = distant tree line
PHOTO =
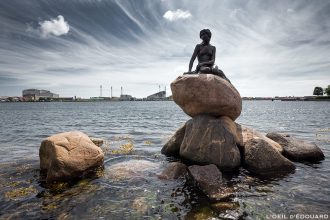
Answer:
(320, 91)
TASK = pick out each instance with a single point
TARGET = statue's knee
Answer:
(218, 73)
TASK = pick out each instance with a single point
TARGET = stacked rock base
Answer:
(209, 137)
(208, 140)
(212, 137)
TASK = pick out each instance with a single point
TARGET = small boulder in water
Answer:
(209, 180)
(68, 156)
(296, 149)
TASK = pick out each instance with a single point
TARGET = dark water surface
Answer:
(147, 126)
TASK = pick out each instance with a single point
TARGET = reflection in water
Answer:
(128, 187)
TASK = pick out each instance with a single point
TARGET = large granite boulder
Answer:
(68, 156)
(208, 141)
(260, 158)
(206, 94)
(296, 149)
(244, 134)
(230, 126)
(172, 147)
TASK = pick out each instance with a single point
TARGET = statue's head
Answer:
(205, 35)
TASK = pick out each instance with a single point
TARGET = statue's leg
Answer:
(220, 73)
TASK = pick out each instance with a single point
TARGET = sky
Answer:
(266, 48)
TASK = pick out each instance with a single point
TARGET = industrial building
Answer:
(124, 97)
(36, 95)
(157, 96)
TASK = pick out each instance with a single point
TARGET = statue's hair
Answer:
(205, 31)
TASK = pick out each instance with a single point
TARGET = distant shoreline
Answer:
(108, 99)
(86, 101)
(305, 98)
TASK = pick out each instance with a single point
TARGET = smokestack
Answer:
(121, 90)
(100, 90)
(165, 91)
(111, 92)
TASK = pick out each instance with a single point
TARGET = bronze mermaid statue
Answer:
(205, 53)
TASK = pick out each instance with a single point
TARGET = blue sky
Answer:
(266, 48)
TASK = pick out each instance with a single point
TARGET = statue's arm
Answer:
(193, 57)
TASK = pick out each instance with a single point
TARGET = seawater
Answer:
(147, 126)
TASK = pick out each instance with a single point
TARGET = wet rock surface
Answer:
(244, 134)
(174, 171)
(172, 147)
(261, 158)
(97, 141)
(209, 179)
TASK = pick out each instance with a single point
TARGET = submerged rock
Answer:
(201, 212)
(296, 149)
(68, 155)
(130, 170)
(20, 192)
(173, 171)
(206, 94)
(223, 206)
(261, 158)
(244, 134)
(172, 147)
(140, 205)
(208, 141)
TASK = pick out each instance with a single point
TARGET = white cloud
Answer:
(56, 27)
(177, 15)
(290, 10)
